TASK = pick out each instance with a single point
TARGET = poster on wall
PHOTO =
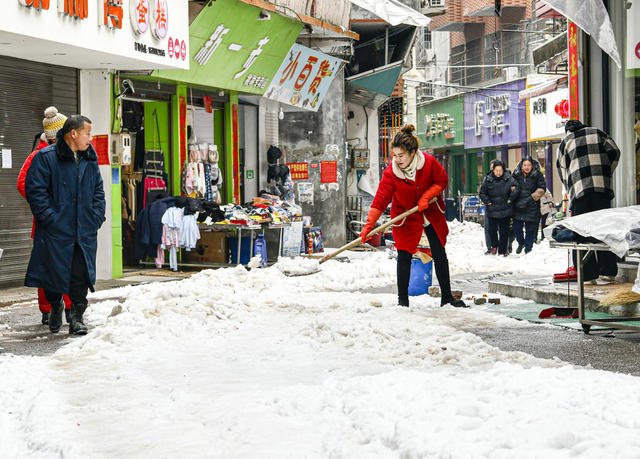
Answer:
(303, 78)
(305, 192)
(101, 146)
(299, 171)
(328, 172)
(548, 114)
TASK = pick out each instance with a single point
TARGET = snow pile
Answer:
(237, 363)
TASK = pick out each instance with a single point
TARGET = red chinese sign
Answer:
(574, 92)
(37, 4)
(183, 130)
(112, 14)
(160, 23)
(74, 8)
(328, 172)
(101, 146)
(299, 171)
(139, 12)
(236, 155)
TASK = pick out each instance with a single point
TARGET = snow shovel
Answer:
(377, 230)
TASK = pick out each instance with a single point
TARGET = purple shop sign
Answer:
(493, 116)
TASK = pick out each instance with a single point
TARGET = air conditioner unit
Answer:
(510, 73)
(436, 3)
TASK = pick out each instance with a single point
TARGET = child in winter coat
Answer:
(498, 192)
(546, 208)
(414, 178)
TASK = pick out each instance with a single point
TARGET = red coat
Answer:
(22, 176)
(404, 194)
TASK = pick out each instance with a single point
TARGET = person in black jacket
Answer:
(498, 192)
(527, 207)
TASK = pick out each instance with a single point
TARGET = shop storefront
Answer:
(441, 132)
(547, 115)
(495, 125)
(73, 75)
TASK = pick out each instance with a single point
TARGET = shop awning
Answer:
(394, 12)
(374, 87)
(543, 88)
(592, 17)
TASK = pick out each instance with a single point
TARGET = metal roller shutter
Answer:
(26, 89)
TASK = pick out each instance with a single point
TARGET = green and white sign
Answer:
(440, 123)
(235, 47)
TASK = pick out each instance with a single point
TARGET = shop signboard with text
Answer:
(548, 114)
(494, 116)
(303, 78)
(633, 35)
(439, 124)
(235, 46)
(90, 34)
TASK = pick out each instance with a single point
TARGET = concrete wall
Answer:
(249, 142)
(94, 103)
(320, 136)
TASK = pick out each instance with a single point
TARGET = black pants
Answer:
(525, 233)
(78, 284)
(499, 231)
(440, 262)
(599, 263)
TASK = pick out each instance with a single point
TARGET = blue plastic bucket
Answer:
(420, 279)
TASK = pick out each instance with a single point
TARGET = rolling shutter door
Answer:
(26, 89)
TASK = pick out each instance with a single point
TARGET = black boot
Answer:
(453, 302)
(67, 315)
(76, 326)
(403, 300)
(45, 318)
(55, 317)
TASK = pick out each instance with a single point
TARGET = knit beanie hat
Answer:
(52, 122)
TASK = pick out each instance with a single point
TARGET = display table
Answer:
(583, 252)
(234, 227)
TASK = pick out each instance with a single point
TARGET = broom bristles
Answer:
(620, 296)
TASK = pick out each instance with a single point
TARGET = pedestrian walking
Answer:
(546, 211)
(412, 179)
(498, 192)
(64, 189)
(526, 216)
(487, 233)
(52, 123)
(587, 158)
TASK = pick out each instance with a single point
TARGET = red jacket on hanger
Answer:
(404, 194)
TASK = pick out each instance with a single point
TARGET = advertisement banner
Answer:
(303, 78)
(439, 124)
(494, 116)
(633, 36)
(299, 171)
(574, 88)
(548, 114)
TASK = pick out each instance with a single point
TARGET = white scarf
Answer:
(409, 172)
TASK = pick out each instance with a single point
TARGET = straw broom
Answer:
(619, 297)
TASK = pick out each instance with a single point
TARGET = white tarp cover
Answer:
(611, 226)
(394, 12)
(592, 17)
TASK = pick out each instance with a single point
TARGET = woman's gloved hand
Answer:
(372, 218)
(431, 192)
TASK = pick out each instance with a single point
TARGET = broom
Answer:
(619, 297)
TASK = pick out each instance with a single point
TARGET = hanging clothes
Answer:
(152, 184)
(189, 232)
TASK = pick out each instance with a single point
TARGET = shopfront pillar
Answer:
(232, 163)
(179, 138)
(549, 165)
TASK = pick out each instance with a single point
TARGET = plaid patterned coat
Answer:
(586, 160)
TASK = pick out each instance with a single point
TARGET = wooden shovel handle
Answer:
(377, 230)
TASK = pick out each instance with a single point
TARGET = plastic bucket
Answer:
(420, 280)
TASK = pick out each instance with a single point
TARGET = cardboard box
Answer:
(211, 248)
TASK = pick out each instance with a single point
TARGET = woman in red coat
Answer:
(414, 178)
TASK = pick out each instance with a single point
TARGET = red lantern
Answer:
(562, 108)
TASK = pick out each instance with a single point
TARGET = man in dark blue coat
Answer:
(65, 192)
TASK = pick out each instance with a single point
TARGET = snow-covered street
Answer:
(231, 363)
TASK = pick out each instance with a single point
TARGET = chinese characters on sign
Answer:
(573, 71)
(112, 14)
(299, 171)
(37, 4)
(252, 58)
(495, 107)
(139, 12)
(437, 123)
(547, 115)
(77, 9)
(211, 45)
(160, 23)
(303, 78)
(328, 172)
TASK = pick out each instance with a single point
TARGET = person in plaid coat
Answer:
(587, 158)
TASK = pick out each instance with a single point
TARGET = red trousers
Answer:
(44, 305)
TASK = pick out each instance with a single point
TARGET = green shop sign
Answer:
(235, 47)
(440, 123)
